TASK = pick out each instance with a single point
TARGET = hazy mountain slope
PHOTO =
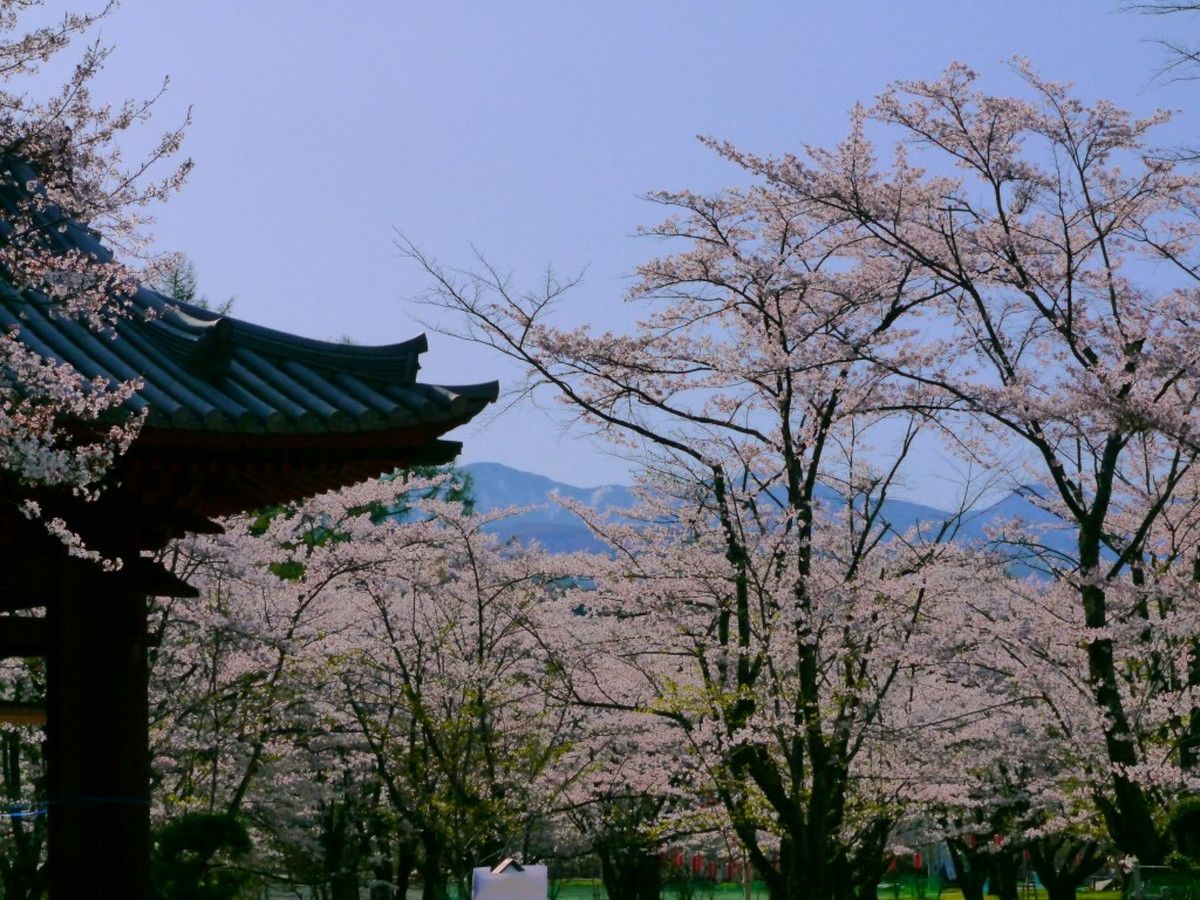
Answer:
(496, 486)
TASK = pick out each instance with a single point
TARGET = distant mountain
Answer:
(1046, 528)
(497, 486)
(900, 514)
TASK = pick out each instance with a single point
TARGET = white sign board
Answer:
(528, 883)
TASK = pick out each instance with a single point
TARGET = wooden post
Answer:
(97, 753)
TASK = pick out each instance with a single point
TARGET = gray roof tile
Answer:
(203, 371)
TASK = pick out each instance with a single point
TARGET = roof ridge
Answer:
(201, 370)
(180, 324)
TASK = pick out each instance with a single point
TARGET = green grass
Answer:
(584, 889)
(589, 889)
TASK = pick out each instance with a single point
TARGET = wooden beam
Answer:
(50, 573)
(143, 576)
(28, 636)
(23, 636)
(13, 713)
(29, 571)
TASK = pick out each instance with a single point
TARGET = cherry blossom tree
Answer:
(1050, 340)
(361, 687)
(61, 165)
(768, 602)
(443, 682)
(240, 723)
(1182, 53)
(1010, 758)
(628, 789)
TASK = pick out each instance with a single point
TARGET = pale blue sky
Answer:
(529, 129)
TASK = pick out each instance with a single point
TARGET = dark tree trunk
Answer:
(866, 868)
(434, 883)
(1005, 872)
(395, 853)
(971, 867)
(406, 861)
(813, 876)
(1129, 817)
(1063, 864)
(782, 883)
(1060, 890)
(344, 886)
(651, 877)
(21, 873)
(341, 852)
(630, 873)
(811, 865)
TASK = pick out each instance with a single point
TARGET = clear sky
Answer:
(529, 130)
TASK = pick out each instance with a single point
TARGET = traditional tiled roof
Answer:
(238, 416)
(204, 371)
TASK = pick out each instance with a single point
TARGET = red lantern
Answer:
(697, 864)
(892, 864)
(712, 869)
(970, 842)
(917, 860)
(678, 859)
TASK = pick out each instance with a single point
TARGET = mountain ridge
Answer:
(499, 486)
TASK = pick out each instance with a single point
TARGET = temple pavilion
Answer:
(237, 416)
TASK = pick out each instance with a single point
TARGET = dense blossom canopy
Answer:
(61, 164)
(763, 664)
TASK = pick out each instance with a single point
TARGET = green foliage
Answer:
(196, 857)
(290, 570)
(451, 485)
(265, 516)
(177, 280)
(455, 486)
(1184, 826)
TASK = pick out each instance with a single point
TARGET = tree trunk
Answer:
(1005, 870)
(341, 858)
(344, 886)
(1060, 890)
(1063, 864)
(21, 873)
(22, 884)
(651, 876)
(434, 882)
(971, 867)
(406, 861)
(630, 873)
(811, 865)
(1129, 819)
(808, 877)
(866, 867)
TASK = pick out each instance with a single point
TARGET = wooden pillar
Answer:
(97, 762)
